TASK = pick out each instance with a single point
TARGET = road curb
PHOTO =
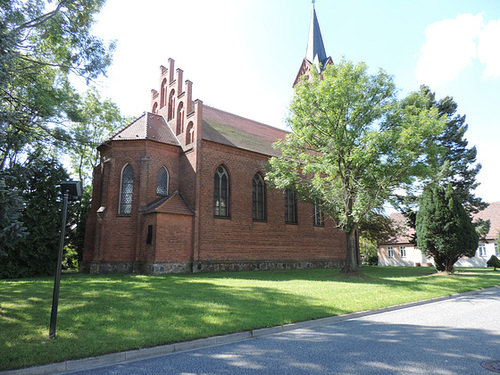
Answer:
(137, 354)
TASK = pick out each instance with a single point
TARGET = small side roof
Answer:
(148, 126)
(171, 204)
(236, 131)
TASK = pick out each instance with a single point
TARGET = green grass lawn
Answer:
(101, 314)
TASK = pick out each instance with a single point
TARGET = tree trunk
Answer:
(351, 259)
(449, 264)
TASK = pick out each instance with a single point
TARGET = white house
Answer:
(399, 251)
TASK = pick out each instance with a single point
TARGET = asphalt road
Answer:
(454, 336)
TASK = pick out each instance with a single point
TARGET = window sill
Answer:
(222, 217)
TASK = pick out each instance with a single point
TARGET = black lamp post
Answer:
(72, 191)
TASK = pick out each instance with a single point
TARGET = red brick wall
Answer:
(240, 238)
(174, 239)
(122, 238)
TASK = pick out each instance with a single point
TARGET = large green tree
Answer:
(45, 45)
(37, 182)
(444, 228)
(353, 144)
(42, 44)
(98, 118)
(456, 165)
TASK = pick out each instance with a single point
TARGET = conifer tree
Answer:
(444, 229)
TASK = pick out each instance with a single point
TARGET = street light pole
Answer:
(72, 190)
(57, 281)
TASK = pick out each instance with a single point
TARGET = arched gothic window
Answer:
(162, 181)
(290, 207)
(221, 192)
(189, 133)
(180, 119)
(171, 105)
(126, 190)
(258, 198)
(318, 217)
(155, 107)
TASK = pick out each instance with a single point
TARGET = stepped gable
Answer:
(172, 204)
(148, 126)
(236, 131)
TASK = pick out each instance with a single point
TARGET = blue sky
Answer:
(242, 56)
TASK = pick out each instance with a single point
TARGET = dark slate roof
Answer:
(236, 131)
(147, 126)
(172, 204)
(315, 52)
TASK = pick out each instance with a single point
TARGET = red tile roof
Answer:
(232, 130)
(405, 233)
(173, 204)
(491, 213)
(147, 126)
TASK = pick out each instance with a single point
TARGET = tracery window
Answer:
(162, 181)
(126, 190)
(290, 207)
(258, 198)
(221, 192)
(318, 217)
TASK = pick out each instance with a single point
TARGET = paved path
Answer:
(453, 336)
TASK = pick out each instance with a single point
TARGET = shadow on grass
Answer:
(100, 314)
(109, 313)
(423, 341)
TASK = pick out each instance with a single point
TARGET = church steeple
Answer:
(315, 52)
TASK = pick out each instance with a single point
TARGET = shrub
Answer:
(493, 262)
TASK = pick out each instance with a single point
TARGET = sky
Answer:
(243, 56)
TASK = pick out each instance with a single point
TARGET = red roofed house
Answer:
(182, 189)
(399, 251)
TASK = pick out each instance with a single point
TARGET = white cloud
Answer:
(449, 48)
(488, 49)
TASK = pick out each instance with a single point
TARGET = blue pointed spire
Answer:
(316, 53)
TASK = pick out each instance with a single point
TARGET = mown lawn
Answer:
(101, 314)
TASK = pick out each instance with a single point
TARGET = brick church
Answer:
(182, 189)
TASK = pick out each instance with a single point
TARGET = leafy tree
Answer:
(444, 228)
(498, 239)
(42, 43)
(368, 251)
(353, 144)
(36, 254)
(377, 227)
(374, 228)
(493, 262)
(12, 229)
(456, 165)
(97, 120)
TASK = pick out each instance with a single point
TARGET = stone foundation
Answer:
(268, 265)
(205, 266)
